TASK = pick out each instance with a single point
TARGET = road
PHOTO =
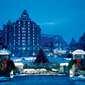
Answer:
(40, 80)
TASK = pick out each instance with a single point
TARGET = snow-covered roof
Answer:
(28, 69)
(5, 52)
(18, 64)
(64, 64)
(25, 58)
(80, 52)
(43, 69)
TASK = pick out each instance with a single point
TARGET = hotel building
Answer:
(22, 37)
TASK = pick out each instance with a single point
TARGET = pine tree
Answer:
(41, 57)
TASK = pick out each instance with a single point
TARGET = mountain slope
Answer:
(54, 38)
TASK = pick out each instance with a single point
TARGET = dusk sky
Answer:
(55, 17)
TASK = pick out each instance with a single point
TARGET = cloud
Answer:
(47, 23)
(51, 23)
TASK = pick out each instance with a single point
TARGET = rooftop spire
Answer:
(9, 22)
(25, 15)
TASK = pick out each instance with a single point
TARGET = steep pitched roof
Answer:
(83, 37)
(25, 16)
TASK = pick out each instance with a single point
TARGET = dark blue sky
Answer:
(55, 17)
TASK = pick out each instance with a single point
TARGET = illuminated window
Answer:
(18, 34)
(28, 40)
(33, 38)
(28, 37)
(18, 40)
(14, 40)
(28, 28)
(28, 22)
(28, 31)
(18, 37)
(14, 34)
(28, 48)
(23, 37)
(28, 25)
(23, 40)
(19, 25)
(33, 28)
(23, 43)
(23, 22)
(18, 31)
(14, 43)
(19, 22)
(23, 31)
(18, 43)
(23, 34)
(23, 25)
(14, 28)
(33, 34)
(28, 34)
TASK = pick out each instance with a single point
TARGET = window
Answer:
(23, 34)
(23, 25)
(14, 43)
(14, 34)
(28, 40)
(19, 28)
(23, 40)
(24, 15)
(18, 31)
(18, 37)
(28, 25)
(23, 31)
(37, 43)
(18, 34)
(28, 48)
(18, 43)
(28, 31)
(33, 48)
(14, 25)
(14, 28)
(33, 44)
(28, 37)
(23, 37)
(28, 34)
(14, 40)
(19, 25)
(23, 43)
(28, 43)
(28, 22)
(18, 40)
(33, 34)
(33, 38)
(33, 31)
(23, 22)
(33, 28)
(23, 28)
(28, 28)
(19, 22)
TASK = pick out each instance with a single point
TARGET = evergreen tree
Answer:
(41, 57)
(51, 44)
